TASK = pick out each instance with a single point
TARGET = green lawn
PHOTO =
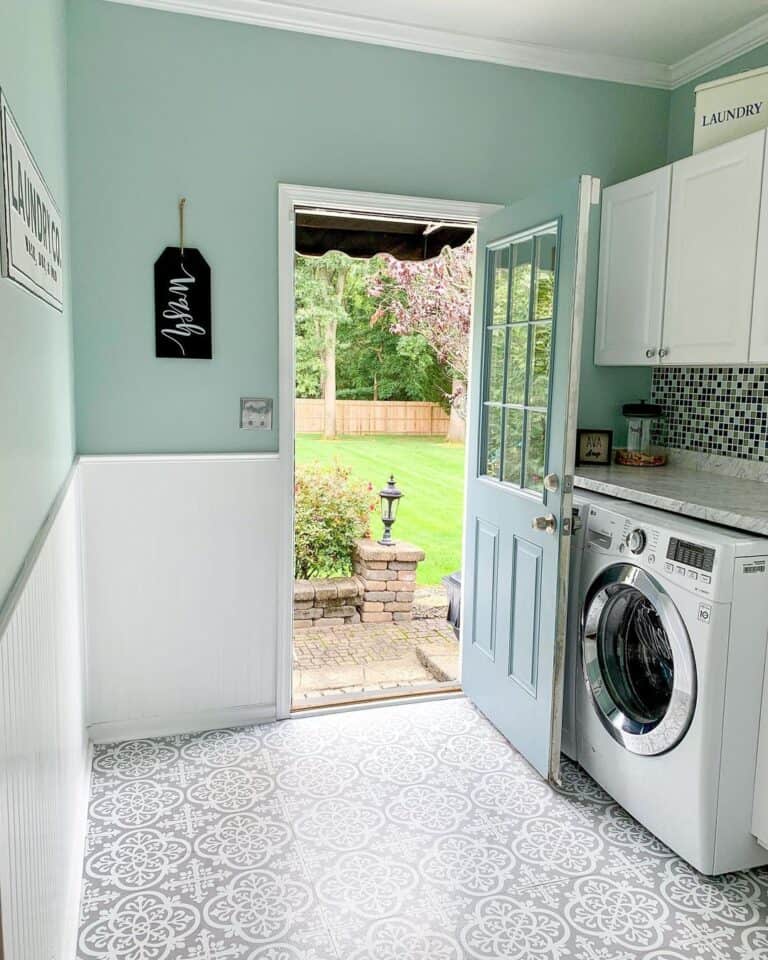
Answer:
(429, 471)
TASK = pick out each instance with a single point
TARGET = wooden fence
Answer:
(375, 416)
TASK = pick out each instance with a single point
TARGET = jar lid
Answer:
(642, 409)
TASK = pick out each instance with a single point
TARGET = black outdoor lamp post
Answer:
(390, 497)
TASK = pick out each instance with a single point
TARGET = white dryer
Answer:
(674, 620)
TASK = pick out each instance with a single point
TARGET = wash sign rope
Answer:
(183, 301)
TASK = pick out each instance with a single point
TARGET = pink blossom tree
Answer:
(433, 298)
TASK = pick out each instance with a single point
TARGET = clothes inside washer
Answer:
(635, 656)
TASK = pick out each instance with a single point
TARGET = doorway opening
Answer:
(382, 308)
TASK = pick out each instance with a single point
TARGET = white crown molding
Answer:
(266, 13)
(721, 51)
(595, 66)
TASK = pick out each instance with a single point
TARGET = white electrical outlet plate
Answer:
(256, 413)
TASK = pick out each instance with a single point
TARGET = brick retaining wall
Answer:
(381, 591)
(388, 577)
(326, 603)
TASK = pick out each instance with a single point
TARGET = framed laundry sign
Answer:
(730, 107)
(30, 223)
(183, 321)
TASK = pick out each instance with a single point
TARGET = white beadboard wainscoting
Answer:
(181, 568)
(44, 758)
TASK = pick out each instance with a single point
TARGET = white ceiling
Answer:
(655, 42)
(663, 31)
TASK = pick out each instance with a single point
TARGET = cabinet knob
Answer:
(663, 352)
(650, 352)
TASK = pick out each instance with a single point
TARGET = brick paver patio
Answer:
(372, 657)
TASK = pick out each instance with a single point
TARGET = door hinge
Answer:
(595, 197)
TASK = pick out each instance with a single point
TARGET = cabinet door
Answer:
(712, 249)
(633, 256)
(758, 343)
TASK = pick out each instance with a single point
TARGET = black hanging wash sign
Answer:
(183, 302)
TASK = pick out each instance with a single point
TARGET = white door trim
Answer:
(290, 196)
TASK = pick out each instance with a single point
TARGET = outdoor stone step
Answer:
(332, 677)
(408, 669)
(430, 603)
(440, 658)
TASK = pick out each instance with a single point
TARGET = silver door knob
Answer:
(663, 352)
(551, 482)
(547, 524)
(650, 352)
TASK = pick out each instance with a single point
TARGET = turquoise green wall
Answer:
(163, 105)
(683, 100)
(36, 421)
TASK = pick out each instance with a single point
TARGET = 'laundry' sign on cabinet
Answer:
(30, 224)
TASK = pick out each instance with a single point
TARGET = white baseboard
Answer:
(170, 724)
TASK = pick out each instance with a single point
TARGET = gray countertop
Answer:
(730, 501)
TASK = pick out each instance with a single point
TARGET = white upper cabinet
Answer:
(633, 256)
(713, 223)
(758, 344)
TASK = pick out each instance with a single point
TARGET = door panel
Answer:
(526, 592)
(486, 540)
(526, 351)
(712, 250)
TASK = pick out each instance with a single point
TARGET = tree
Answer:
(372, 362)
(320, 288)
(334, 329)
(432, 299)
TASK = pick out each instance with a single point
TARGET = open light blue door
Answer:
(526, 353)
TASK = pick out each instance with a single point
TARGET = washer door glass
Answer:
(638, 661)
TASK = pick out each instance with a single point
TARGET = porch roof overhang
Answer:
(362, 236)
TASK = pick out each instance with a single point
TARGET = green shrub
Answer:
(332, 511)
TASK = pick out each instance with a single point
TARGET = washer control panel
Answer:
(636, 540)
(692, 562)
(691, 565)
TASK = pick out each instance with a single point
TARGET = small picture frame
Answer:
(255, 413)
(594, 447)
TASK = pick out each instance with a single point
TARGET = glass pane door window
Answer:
(518, 340)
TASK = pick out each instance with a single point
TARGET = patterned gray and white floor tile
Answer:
(403, 833)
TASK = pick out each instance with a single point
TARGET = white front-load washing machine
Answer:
(674, 620)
